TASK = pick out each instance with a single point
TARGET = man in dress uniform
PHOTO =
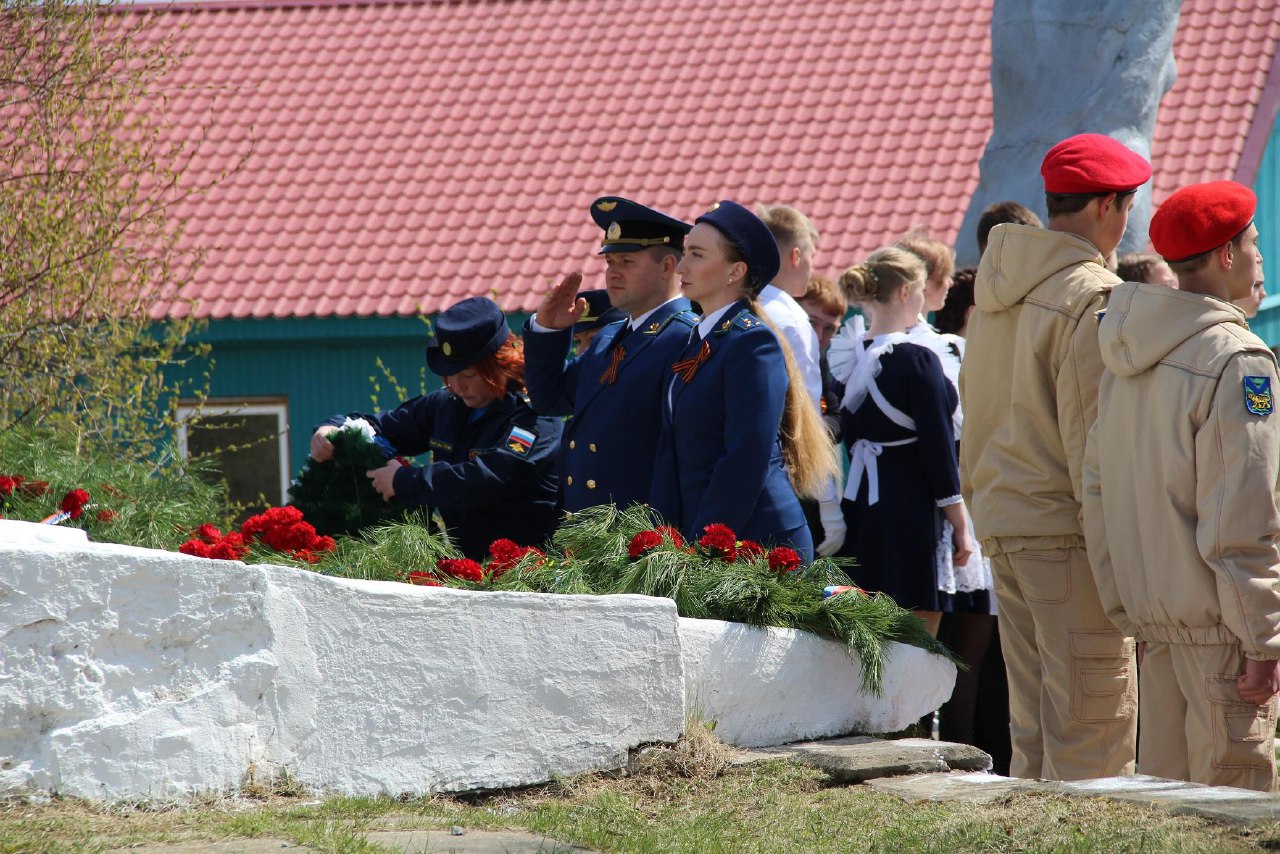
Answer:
(1180, 480)
(614, 389)
(1029, 387)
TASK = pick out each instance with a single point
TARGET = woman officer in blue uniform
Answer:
(740, 437)
(492, 473)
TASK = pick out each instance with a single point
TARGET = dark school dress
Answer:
(719, 457)
(493, 471)
(895, 537)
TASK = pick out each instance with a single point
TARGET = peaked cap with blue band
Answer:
(464, 334)
(750, 235)
(600, 312)
(629, 227)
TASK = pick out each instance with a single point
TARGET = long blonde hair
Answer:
(807, 449)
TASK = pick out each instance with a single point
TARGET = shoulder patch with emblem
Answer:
(1257, 395)
(520, 441)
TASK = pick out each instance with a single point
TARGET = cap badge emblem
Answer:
(614, 232)
(714, 207)
(606, 206)
(446, 349)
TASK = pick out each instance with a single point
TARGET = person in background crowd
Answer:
(1145, 267)
(1000, 213)
(896, 417)
(1180, 481)
(826, 305)
(492, 473)
(965, 592)
(953, 317)
(614, 389)
(797, 241)
(598, 314)
(740, 437)
(939, 262)
(1029, 388)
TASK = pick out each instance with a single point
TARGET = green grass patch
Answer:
(681, 799)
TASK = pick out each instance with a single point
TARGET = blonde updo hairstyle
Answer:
(882, 275)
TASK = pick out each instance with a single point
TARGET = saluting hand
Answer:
(561, 308)
(383, 479)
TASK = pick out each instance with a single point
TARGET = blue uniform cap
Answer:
(600, 312)
(465, 334)
(629, 227)
(752, 238)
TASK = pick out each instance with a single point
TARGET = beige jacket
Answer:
(1180, 477)
(1029, 386)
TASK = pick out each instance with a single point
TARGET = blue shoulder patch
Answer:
(1257, 395)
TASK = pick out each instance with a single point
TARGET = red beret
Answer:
(1201, 217)
(1093, 163)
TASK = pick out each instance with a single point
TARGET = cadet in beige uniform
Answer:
(1029, 389)
(1180, 485)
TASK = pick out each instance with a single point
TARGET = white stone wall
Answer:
(772, 686)
(129, 672)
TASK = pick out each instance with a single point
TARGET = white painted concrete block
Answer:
(128, 672)
(767, 686)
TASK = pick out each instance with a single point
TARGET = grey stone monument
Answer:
(1062, 67)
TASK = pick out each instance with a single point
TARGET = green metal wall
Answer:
(1267, 186)
(320, 366)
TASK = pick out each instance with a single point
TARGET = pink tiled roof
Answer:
(402, 155)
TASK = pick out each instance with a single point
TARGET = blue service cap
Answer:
(464, 334)
(750, 235)
(629, 227)
(600, 312)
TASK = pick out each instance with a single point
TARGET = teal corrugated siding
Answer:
(1267, 186)
(320, 366)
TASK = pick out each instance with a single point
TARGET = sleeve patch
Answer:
(1257, 395)
(520, 441)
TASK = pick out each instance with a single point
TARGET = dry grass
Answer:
(682, 798)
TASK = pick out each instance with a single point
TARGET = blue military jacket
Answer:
(719, 457)
(491, 476)
(610, 441)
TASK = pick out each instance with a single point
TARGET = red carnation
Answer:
(422, 579)
(507, 553)
(107, 516)
(323, 544)
(464, 568)
(749, 550)
(10, 482)
(643, 542)
(208, 533)
(719, 541)
(671, 534)
(783, 559)
(230, 547)
(196, 548)
(74, 501)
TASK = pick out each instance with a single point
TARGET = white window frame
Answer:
(241, 406)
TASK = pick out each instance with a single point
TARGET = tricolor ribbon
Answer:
(611, 373)
(685, 369)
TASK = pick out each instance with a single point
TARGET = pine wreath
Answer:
(337, 496)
